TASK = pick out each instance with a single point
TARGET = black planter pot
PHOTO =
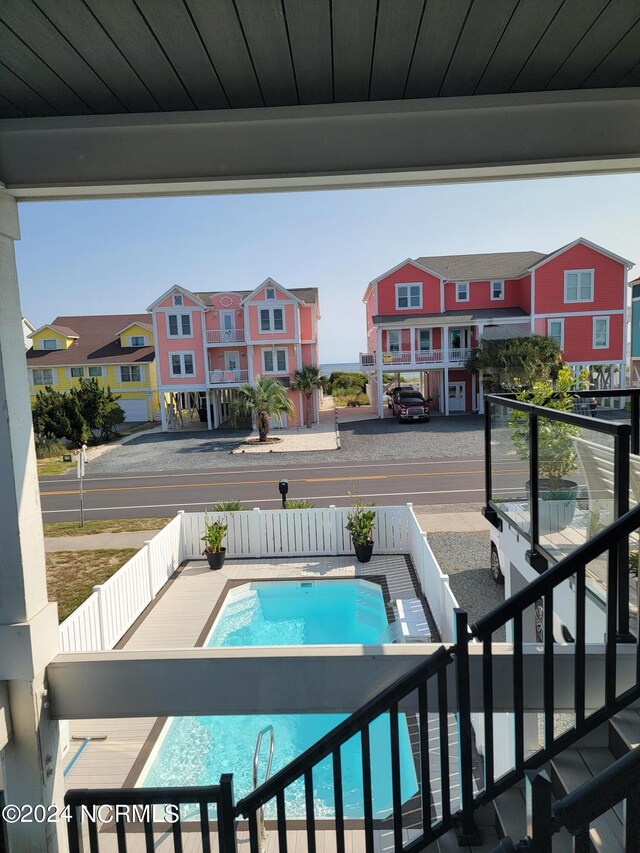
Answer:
(557, 506)
(216, 558)
(364, 552)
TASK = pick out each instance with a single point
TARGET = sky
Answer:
(117, 257)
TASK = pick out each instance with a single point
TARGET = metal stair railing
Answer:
(267, 773)
(434, 675)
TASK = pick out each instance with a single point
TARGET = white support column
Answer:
(445, 344)
(208, 404)
(29, 638)
(481, 394)
(474, 399)
(446, 390)
(412, 331)
(379, 395)
(216, 412)
(163, 411)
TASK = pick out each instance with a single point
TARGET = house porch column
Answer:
(29, 637)
(379, 399)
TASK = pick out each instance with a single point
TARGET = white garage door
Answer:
(134, 410)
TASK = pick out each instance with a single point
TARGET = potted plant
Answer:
(214, 533)
(557, 454)
(360, 524)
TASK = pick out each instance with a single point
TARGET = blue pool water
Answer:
(196, 750)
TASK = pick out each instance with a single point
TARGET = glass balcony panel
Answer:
(510, 463)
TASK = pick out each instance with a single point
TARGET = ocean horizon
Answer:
(340, 367)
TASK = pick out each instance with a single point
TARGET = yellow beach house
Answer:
(117, 350)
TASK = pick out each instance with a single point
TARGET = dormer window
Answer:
(49, 343)
(138, 341)
(177, 299)
(270, 293)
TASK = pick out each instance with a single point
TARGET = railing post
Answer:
(256, 533)
(182, 550)
(632, 819)
(539, 814)
(152, 591)
(101, 617)
(226, 821)
(467, 832)
(621, 492)
(333, 529)
(533, 481)
(635, 422)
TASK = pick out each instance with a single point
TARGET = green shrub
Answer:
(343, 382)
(229, 506)
(48, 446)
(299, 503)
(350, 399)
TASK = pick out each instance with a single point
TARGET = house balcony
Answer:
(225, 336)
(418, 360)
(224, 378)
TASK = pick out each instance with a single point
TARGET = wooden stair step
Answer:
(624, 731)
(569, 771)
(511, 820)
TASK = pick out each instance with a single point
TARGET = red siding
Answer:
(480, 295)
(608, 289)
(408, 274)
(578, 340)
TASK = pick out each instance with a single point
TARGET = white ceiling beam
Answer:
(443, 140)
(296, 680)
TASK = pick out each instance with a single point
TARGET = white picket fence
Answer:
(435, 584)
(114, 606)
(295, 532)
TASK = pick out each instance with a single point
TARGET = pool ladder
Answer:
(262, 833)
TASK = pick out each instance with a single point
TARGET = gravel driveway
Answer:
(465, 558)
(362, 441)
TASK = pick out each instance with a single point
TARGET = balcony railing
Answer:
(223, 336)
(227, 377)
(417, 358)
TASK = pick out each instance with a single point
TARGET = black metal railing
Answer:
(154, 810)
(518, 501)
(617, 784)
(446, 674)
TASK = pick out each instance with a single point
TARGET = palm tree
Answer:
(306, 380)
(265, 399)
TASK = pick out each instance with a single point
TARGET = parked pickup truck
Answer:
(410, 406)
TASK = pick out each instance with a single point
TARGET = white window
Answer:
(578, 286)
(408, 296)
(270, 293)
(231, 361)
(131, 373)
(49, 343)
(497, 290)
(274, 361)
(138, 341)
(182, 363)
(600, 332)
(425, 340)
(43, 376)
(76, 372)
(177, 299)
(179, 325)
(227, 320)
(95, 371)
(462, 291)
(393, 341)
(555, 331)
(271, 320)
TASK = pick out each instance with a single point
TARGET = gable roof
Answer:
(584, 242)
(97, 342)
(303, 294)
(67, 331)
(171, 290)
(481, 266)
(146, 326)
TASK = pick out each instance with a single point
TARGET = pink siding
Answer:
(306, 322)
(609, 281)
(289, 324)
(309, 354)
(408, 274)
(262, 295)
(224, 302)
(217, 356)
(186, 302)
(165, 345)
(257, 358)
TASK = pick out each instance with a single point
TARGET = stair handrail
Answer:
(345, 730)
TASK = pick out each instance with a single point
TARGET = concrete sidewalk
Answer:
(98, 541)
(437, 522)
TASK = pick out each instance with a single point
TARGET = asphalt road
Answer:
(439, 481)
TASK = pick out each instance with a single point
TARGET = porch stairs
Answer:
(478, 810)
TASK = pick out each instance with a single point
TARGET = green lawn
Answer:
(116, 525)
(49, 467)
(71, 575)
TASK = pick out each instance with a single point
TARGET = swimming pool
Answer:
(196, 750)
